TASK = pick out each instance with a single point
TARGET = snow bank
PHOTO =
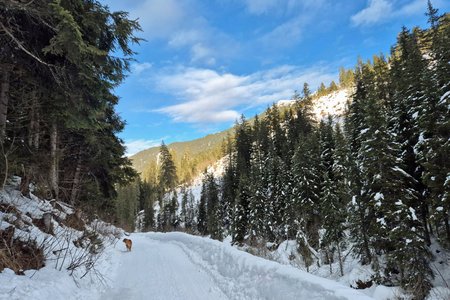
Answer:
(241, 275)
(62, 249)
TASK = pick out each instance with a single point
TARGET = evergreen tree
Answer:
(167, 170)
(243, 147)
(191, 213)
(306, 191)
(202, 218)
(241, 212)
(147, 198)
(212, 207)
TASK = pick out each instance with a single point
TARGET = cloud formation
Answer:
(134, 146)
(379, 11)
(207, 96)
(182, 25)
(137, 68)
(375, 12)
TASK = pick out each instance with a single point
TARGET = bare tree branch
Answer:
(21, 46)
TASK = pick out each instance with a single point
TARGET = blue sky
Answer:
(205, 62)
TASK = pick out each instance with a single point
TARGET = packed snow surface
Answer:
(178, 266)
(181, 266)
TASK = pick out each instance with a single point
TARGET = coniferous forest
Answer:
(59, 63)
(377, 181)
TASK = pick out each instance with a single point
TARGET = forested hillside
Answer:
(371, 187)
(193, 157)
(376, 185)
(59, 64)
(190, 157)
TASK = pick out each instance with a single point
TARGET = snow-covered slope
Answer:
(68, 252)
(333, 104)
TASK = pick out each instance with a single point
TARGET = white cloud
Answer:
(413, 8)
(160, 18)
(134, 146)
(286, 34)
(376, 11)
(138, 68)
(286, 7)
(206, 96)
(379, 11)
(183, 25)
(259, 7)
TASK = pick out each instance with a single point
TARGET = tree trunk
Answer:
(424, 217)
(76, 180)
(341, 264)
(33, 134)
(447, 226)
(4, 99)
(54, 160)
(5, 156)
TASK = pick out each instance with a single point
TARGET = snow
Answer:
(181, 266)
(378, 196)
(333, 104)
(160, 265)
(413, 213)
(177, 266)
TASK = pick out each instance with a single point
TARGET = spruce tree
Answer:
(212, 208)
(241, 212)
(306, 191)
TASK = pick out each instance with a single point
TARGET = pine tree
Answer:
(241, 212)
(147, 198)
(243, 147)
(434, 124)
(212, 208)
(191, 213)
(202, 218)
(228, 187)
(306, 191)
(167, 170)
(276, 132)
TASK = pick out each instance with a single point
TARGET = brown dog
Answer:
(128, 243)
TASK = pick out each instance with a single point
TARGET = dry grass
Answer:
(18, 255)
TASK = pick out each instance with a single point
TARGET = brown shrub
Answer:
(74, 221)
(18, 255)
(360, 285)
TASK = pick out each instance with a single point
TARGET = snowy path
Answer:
(157, 270)
(180, 266)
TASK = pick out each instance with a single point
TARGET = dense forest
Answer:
(378, 182)
(59, 63)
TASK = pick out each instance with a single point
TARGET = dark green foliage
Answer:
(167, 171)
(212, 207)
(59, 62)
(202, 226)
(241, 211)
(188, 211)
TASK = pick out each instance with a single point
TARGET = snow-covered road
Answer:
(180, 266)
(159, 270)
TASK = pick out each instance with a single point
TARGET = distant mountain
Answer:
(192, 157)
